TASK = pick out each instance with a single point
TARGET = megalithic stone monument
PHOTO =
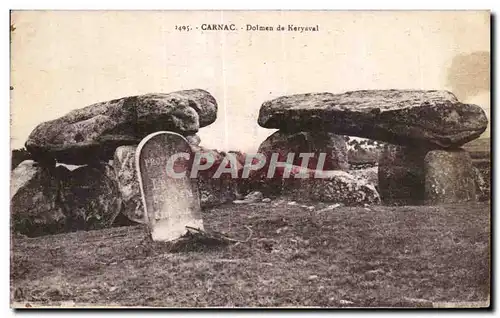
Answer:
(170, 197)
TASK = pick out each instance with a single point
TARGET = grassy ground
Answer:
(357, 257)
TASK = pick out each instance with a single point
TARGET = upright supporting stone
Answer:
(35, 209)
(90, 197)
(401, 175)
(449, 177)
(170, 198)
(317, 142)
(128, 183)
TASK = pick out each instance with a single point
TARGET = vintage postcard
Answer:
(198, 159)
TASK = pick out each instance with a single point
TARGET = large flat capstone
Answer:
(93, 133)
(405, 117)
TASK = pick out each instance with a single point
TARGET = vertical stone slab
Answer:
(401, 175)
(128, 183)
(171, 203)
(449, 177)
(35, 209)
(317, 142)
(90, 197)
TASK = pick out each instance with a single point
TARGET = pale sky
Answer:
(65, 60)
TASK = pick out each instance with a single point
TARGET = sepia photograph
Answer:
(250, 159)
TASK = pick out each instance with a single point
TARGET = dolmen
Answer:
(82, 174)
(82, 170)
(422, 163)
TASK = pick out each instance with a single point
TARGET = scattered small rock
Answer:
(292, 203)
(252, 197)
(281, 229)
(375, 271)
(267, 200)
(329, 208)
(312, 277)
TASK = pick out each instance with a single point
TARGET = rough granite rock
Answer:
(90, 197)
(128, 183)
(335, 186)
(283, 143)
(315, 185)
(369, 175)
(406, 117)
(449, 177)
(18, 156)
(193, 139)
(92, 133)
(213, 191)
(34, 200)
(252, 197)
(224, 188)
(401, 175)
(482, 185)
